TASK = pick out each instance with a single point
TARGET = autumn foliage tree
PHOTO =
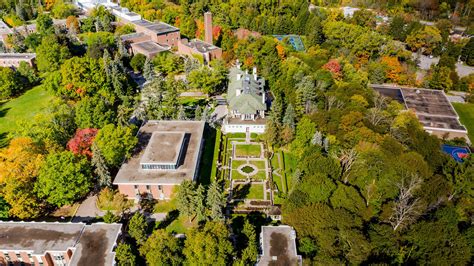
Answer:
(393, 68)
(19, 167)
(334, 67)
(81, 142)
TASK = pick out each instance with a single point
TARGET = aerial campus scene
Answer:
(236, 132)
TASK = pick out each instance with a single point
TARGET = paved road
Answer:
(87, 211)
(426, 62)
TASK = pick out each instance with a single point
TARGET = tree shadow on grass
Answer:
(4, 140)
(241, 191)
(172, 215)
(4, 111)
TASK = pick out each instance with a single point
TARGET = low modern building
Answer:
(14, 59)
(168, 153)
(48, 244)
(432, 107)
(203, 49)
(246, 102)
(278, 246)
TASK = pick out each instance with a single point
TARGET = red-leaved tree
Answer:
(82, 141)
(334, 67)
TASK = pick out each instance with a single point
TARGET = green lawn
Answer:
(248, 150)
(165, 206)
(237, 163)
(260, 175)
(259, 164)
(466, 115)
(255, 192)
(25, 107)
(216, 155)
(237, 175)
(248, 191)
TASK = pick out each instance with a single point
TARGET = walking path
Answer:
(88, 210)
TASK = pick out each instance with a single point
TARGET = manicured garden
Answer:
(248, 150)
(248, 191)
(466, 115)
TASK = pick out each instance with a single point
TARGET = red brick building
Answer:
(168, 153)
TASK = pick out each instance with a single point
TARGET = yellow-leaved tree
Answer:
(19, 166)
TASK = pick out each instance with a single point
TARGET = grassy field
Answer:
(466, 115)
(24, 107)
(247, 150)
(255, 192)
(236, 175)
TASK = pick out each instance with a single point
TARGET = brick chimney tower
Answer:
(208, 27)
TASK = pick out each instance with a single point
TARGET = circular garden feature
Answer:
(248, 169)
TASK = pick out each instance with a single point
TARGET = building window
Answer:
(160, 187)
(148, 188)
(135, 186)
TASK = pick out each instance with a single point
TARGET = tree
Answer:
(289, 118)
(439, 78)
(181, 113)
(148, 71)
(138, 62)
(93, 112)
(72, 25)
(467, 54)
(64, 178)
(406, 209)
(199, 204)
(216, 201)
(427, 38)
(124, 255)
(115, 143)
(137, 228)
(10, 83)
(50, 54)
(110, 217)
(364, 18)
(20, 163)
(198, 113)
(82, 141)
(44, 24)
(28, 72)
(184, 198)
(100, 167)
(162, 248)
(250, 253)
(209, 245)
(62, 9)
(206, 79)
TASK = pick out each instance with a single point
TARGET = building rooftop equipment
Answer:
(167, 153)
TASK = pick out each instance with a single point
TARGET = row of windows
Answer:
(158, 167)
(148, 187)
(230, 126)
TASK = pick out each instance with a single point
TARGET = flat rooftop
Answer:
(4, 29)
(156, 27)
(201, 46)
(432, 107)
(131, 173)
(163, 147)
(278, 246)
(91, 244)
(149, 47)
(26, 56)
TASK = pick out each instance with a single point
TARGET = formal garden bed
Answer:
(247, 150)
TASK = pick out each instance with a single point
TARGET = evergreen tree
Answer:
(181, 113)
(216, 201)
(185, 197)
(124, 255)
(250, 253)
(289, 119)
(107, 65)
(198, 113)
(100, 167)
(205, 115)
(148, 71)
(137, 228)
(198, 203)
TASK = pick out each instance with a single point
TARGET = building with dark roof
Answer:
(432, 107)
(246, 102)
(159, 32)
(33, 243)
(278, 246)
(168, 153)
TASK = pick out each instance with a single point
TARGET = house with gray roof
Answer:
(246, 102)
